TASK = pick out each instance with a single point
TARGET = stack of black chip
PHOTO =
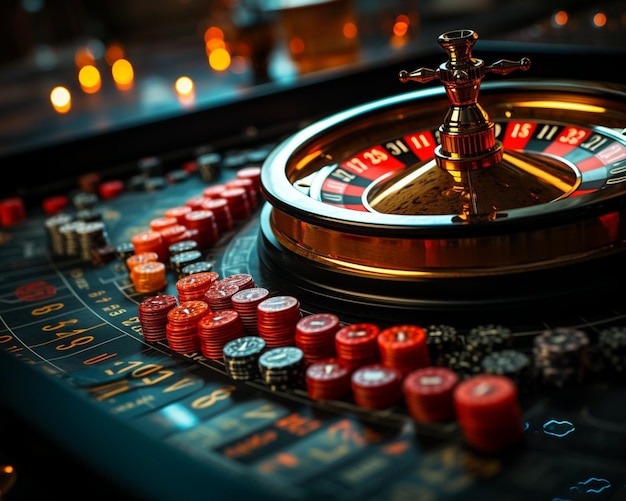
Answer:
(241, 357)
(282, 368)
(181, 260)
(511, 363)
(612, 347)
(443, 341)
(560, 355)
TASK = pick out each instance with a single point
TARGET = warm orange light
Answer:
(296, 45)
(123, 74)
(214, 43)
(213, 32)
(89, 79)
(219, 59)
(61, 99)
(599, 20)
(83, 56)
(8, 469)
(561, 18)
(112, 53)
(350, 30)
(400, 28)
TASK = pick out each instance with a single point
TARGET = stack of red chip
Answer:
(55, 204)
(204, 221)
(150, 241)
(193, 287)
(276, 320)
(356, 345)
(328, 379)
(404, 347)
(216, 329)
(213, 191)
(253, 173)
(160, 223)
(195, 202)
(221, 210)
(182, 326)
(488, 412)
(245, 303)
(315, 336)
(241, 280)
(111, 189)
(238, 203)
(376, 386)
(248, 185)
(219, 295)
(178, 212)
(174, 233)
(153, 316)
(428, 393)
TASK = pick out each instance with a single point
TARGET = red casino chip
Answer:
(195, 202)
(253, 173)
(245, 303)
(428, 393)
(55, 204)
(213, 191)
(219, 295)
(182, 326)
(216, 329)
(404, 347)
(241, 280)
(376, 386)
(357, 344)
(248, 185)
(276, 320)
(315, 335)
(221, 210)
(178, 212)
(238, 203)
(153, 316)
(328, 379)
(204, 221)
(488, 412)
(193, 287)
(111, 189)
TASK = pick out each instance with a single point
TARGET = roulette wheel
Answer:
(461, 244)
(417, 204)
